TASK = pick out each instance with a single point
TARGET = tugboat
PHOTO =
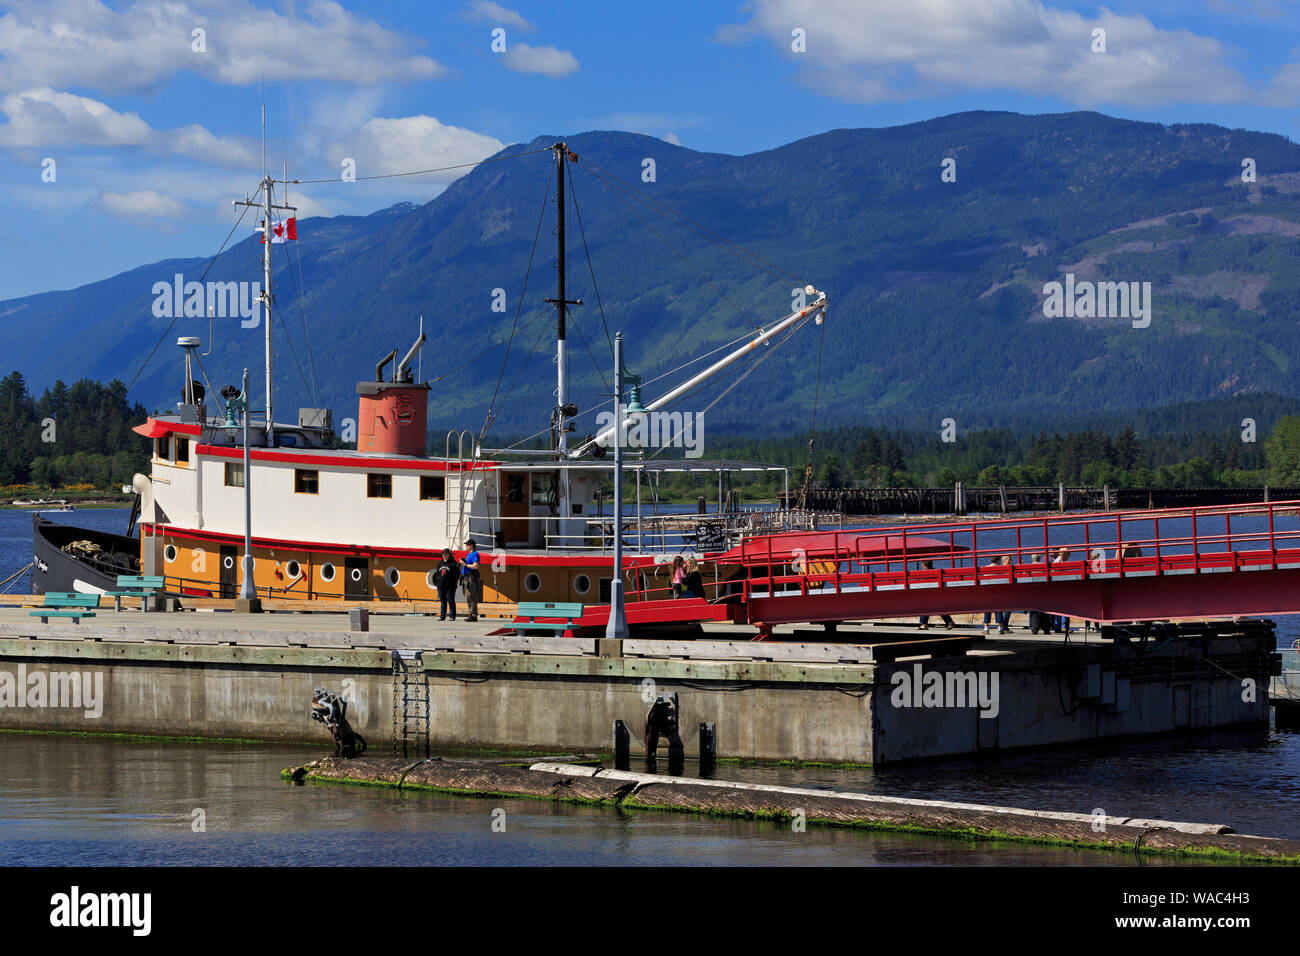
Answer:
(371, 523)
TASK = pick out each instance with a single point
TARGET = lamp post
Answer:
(239, 403)
(617, 628)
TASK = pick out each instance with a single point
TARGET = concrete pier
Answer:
(876, 695)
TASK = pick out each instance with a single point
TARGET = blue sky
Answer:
(151, 138)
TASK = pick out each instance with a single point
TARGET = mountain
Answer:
(937, 288)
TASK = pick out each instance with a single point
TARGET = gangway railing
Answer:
(1089, 547)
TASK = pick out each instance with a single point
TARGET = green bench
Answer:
(529, 611)
(64, 604)
(144, 587)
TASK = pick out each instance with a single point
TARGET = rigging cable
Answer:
(306, 334)
(596, 289)
(812, 433)
(739, 311)
(421, 172)
(170, 324)
(651, 381)
(599, 370)
(740, 378)
(493, 347)
(489, 418)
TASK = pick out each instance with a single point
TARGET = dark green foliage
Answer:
(78, 434)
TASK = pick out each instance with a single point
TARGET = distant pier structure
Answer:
(960, 499)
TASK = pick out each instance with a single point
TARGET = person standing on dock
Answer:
(1002, 617)
(679, 577)
(447, 576)
(925, 618)
(694, 579)
(470, 575)
(1062, 623)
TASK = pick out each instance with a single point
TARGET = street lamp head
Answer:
(634, 406)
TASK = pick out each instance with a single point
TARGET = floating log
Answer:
(591, 784)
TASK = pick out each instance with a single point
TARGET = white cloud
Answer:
(307, 207)
(141, 206)
(195, 141)
(407, 143)
(490, 12)
(1285, 88)
(48, 118)
(912, 48)
(85, 43)
(546, 60)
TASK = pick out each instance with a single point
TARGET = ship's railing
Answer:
(652, 534)
(1291, 665)
(1196, 540)
(645, 583)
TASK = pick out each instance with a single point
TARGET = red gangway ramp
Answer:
(1220, 561)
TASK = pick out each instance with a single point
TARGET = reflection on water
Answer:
(81, 800)
(1249, 780)
(87, 801)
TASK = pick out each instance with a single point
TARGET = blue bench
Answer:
(143, 587)
(529, 611)
(64, 604)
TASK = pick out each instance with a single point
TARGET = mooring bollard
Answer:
(622, 746)
(359, 619)
(708, 749)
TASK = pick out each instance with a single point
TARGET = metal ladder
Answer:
(410, 703)
(462, 524)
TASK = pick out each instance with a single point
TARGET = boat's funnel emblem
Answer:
(403, 410)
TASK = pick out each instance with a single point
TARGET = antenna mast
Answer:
(563, 410)
(268, 207)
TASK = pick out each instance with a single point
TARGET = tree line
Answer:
(78, 434)
(881, 458)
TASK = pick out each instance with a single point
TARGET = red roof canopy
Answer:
(153, 429)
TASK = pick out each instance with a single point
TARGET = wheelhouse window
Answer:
(306, 481)
(433, 488)
(182, 449)
(545, 488)
(379, 486)
(163, 446)
(234, 474)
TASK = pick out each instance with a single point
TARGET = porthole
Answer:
(327, 572)
(391, 577)
(582, 584)
(293, 569)
(228, 562)
(169, 553)
(431, 579)
(356, 574)
(532, 583)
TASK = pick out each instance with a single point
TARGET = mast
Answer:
(563, 411)
(268, 208)
(266, 300)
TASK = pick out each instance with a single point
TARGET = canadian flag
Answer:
(282, 230)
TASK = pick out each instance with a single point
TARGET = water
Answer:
(16, 536)
(102, 801)
(85, 801)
